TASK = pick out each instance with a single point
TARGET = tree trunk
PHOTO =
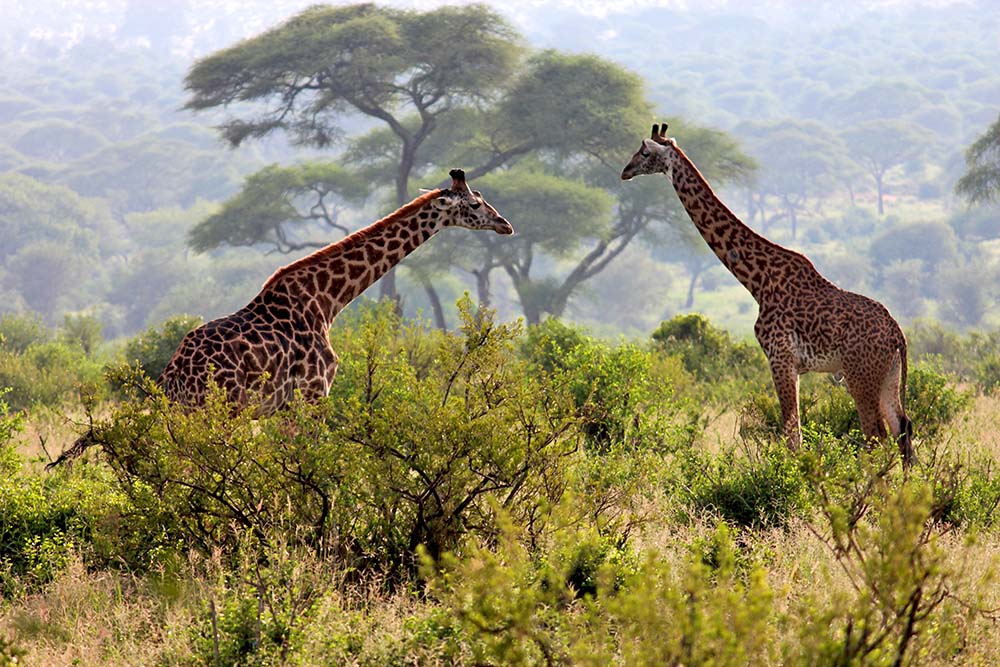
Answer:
(483, 287)
(695, 274)
(387, 287)
(435, 301)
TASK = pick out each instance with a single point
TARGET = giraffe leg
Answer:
(866, 392)
(786, 383)
(892, 412)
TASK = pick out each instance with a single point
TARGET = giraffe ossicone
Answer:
(805, 322)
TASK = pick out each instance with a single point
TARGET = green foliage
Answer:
(971, 358)
(10, 425)
(708, 352)
(153, 348)
(82, 330)
(275, 202)
(10, 653)
(47, 373)
(45, 521)
(624, 395)
(932, 242)
(384, 59)
(255, 618)
(605, 100)
(896, 567)
(966, 494)
(19, 332)
(981, 181)
(513, 612)
(407, 451)
(708, 613)
(761, 489)
(932, 403)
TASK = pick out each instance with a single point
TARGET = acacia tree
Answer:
(277, 203)
(981, 181)
(881, 145)
(798, 160)
(401, 68)
(437, 111)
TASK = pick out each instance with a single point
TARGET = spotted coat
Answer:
(278, 344)
(805, 322)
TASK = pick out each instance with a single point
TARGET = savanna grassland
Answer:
(572, 466)
(500, 496)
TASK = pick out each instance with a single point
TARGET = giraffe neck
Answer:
(322, 284)
(750, 257)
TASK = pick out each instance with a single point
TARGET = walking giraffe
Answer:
(279, 342)
(805, 323)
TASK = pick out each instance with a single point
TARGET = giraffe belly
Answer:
(812, 357)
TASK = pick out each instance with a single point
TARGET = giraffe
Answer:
(805, 322)
(279, 342)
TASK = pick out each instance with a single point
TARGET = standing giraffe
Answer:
(805, 323)
(279, 342)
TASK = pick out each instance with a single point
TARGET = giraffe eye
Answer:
(475, 205)
(644, 153)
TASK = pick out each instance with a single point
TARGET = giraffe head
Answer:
(461, 207)
(653, 156)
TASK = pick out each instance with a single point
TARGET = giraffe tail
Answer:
(905, 438)
(78, 448)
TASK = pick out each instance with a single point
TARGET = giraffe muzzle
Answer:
(503, 227)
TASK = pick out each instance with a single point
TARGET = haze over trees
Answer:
(845, 111)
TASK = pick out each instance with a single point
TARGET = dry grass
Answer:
(101, 618)
(108, 618)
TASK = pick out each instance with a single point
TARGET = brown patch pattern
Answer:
(279, 342)
(805, 323)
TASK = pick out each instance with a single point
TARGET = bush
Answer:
(44, 521)
(402, 454)
(709, 353)
(19, 332)
(154, 347)
(932, 402)
(82, 330)
(761, 490)
(46, 373)
(624, 395)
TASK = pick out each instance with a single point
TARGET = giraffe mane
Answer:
(355, 237)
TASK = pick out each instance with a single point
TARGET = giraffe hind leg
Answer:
(892, 412)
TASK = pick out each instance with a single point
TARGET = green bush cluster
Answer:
(502, 482)
(933, 401)
(42, 369)
(153, 348)
(973, 358)
(625, 395)
(723, 367)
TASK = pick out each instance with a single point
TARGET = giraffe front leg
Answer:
(786, 383)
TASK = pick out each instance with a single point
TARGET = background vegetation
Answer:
(857, 119)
